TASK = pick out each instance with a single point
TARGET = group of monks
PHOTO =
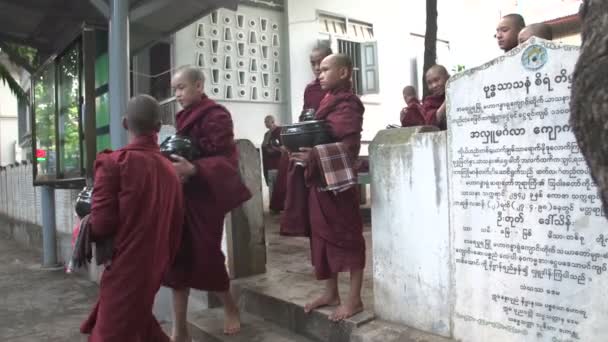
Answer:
(165, 216)
(510, 32)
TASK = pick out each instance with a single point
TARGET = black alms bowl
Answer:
(305, 134)
(179, 145)
(83, 202)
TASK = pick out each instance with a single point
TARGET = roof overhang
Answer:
(49, 25)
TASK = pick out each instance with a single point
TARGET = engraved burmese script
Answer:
(530, 240)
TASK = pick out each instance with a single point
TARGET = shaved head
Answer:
(143, 115)
(507, 31)
(436, 78)
(191, 73)
(323, 50)
(439, 69)
(336, 71)
(409, 91)
(540, 30)
(341, 61)
(517, 20)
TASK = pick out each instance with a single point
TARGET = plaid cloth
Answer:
(335, 166)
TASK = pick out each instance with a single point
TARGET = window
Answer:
(356, 40)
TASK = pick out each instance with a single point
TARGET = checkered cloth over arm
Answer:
(336, 168)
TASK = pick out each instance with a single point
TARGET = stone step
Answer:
(207, 326)
(280, 299)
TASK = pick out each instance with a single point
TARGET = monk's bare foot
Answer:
(324, 300)
(232, 322)
(346, 310)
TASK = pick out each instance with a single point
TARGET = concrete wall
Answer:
(411, 244)
(248, 116)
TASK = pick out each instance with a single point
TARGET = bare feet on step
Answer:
(347, 310)
(232, 322)
(324, 300)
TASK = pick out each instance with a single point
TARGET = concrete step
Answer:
(207, 326)
(380, 331)
(280, 298)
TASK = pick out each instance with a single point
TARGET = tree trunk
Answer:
(589, 103)
(430, 40)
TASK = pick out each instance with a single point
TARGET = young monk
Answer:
(337, 243)
(540, 30)
(271, 152)
(411, 99)
(507, 31)
(137, 201)
(313, 94)
(212, 188)
(432, 110)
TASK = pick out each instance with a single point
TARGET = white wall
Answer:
(8, 122)
(248, 116)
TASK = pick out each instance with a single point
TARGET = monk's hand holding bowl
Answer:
(183, 167)
(301, 157)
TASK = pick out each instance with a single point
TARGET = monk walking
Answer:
(212, 188)
(271, 150)
(138, 203)
(337, 243)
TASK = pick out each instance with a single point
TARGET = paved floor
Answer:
(37, 305)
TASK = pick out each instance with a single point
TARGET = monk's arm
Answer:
(105, 209)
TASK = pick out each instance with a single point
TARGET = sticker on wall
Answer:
(215, 46)
(228, 34)
(240, 21)
(214, 17)
(253, 65)
(265, 52)
(240, 35)
(228, 62)
(242, 78)
(200, 60)
(264, 24)
(265, 80)
(240, 49)
(276, 68)
(277, 95)
(215, 76)
(254, 93)
(228, 94)
(200, 30)
(275, 40)
(253, 37)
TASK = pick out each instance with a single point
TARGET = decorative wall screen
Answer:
(240, 56)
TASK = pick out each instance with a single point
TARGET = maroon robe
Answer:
(210, 194)
(313, 94)
(417, 114)
(271, 155)
(138, 201)
(337, 243)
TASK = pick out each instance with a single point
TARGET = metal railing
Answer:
(168, 109)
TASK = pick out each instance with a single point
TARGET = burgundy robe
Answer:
(138, 201)
(271, 155)
(337, 243)
(210, 194)
(313, 94)
(416, 114)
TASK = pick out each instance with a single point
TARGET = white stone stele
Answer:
(529, 250)
(411, 241)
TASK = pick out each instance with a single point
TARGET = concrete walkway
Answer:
(39, 305)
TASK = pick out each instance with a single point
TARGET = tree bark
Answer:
(430, 40)
(589, 103)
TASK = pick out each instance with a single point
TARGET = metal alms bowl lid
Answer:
(304, 127)
(179, 145)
